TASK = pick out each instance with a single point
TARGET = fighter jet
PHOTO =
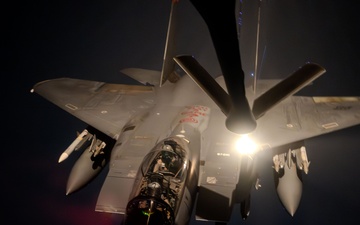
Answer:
(167, 146)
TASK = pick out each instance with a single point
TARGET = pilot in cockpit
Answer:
(159, 166)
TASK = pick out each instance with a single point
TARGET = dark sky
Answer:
(92, 40)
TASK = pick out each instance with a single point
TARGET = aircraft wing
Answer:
(106, 107)
(294, 119)
(299, 118)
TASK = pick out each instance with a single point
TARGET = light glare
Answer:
(245, 145)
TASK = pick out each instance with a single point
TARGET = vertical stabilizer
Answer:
(168, 62)
(257, 49)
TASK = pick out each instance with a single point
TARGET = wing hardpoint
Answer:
(106, 107)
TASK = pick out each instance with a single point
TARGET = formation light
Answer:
(245, 145)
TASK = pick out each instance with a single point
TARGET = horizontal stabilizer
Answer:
(143, 76)
(205, 81)
(287, 87)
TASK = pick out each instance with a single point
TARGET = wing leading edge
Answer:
(106, 107)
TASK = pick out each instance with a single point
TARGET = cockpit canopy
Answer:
(168, 160)
(159, 184)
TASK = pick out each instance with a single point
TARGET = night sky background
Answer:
(92, 40)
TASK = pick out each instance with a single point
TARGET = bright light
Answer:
(245, 145)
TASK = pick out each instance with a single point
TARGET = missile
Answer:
(72, 146)
(99, 148)
(304, 160)
(276, 163)
(279, 162)
(84, 143)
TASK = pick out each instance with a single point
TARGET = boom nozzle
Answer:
(240, 119)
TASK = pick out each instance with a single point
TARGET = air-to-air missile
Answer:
(74, 145)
